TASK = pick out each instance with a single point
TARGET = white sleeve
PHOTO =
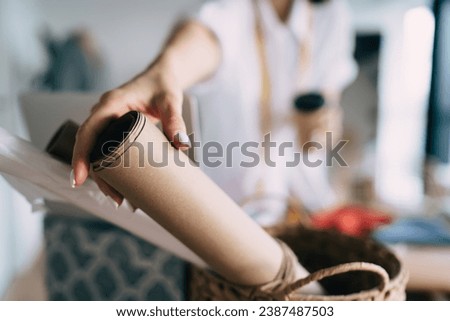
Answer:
(222, 18)
(336, 67)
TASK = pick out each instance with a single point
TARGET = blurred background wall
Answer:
(128, 33)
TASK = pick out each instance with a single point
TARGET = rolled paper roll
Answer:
(135, 158)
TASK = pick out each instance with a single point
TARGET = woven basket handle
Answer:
(341, 269)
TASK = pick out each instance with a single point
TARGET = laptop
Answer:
(45, 112)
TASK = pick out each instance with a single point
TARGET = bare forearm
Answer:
(191, 54)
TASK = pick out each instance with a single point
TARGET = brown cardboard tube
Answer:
(62, 142)
(135, 158)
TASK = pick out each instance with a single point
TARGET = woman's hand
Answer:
(191, 54)
(154, 93)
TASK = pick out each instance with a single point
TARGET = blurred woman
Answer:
(246, 61)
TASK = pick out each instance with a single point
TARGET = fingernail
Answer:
(113, 202)
(183, 139)
(72, 179)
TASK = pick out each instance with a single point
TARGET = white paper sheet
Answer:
(38, 176)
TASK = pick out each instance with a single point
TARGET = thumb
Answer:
(173, 124)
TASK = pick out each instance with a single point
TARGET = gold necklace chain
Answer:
(304, 58)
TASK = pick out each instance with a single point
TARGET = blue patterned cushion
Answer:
(93, 260)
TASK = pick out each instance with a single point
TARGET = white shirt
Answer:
(230, 100)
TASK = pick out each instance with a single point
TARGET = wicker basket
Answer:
(348, 269)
